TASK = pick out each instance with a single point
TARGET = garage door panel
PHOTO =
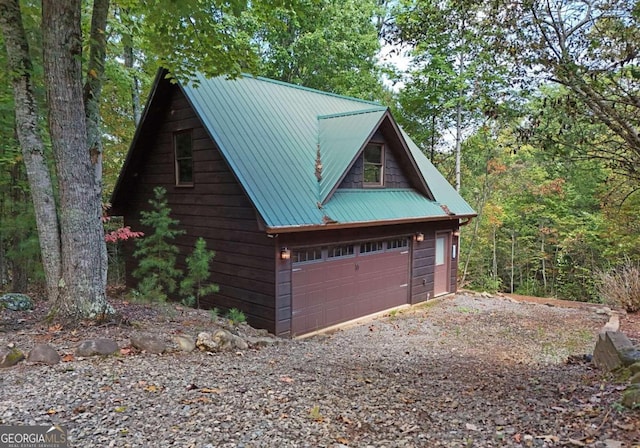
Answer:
(340, 289)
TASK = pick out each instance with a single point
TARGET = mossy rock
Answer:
(10, 357)
(635, 368)
(631, 398)
(16, 302)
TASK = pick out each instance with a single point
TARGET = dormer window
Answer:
(373, 165)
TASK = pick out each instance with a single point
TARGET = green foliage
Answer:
(486, 284)
(214, 313)
(156, 272)
(236, 316)
(195, 286)
(323, 44)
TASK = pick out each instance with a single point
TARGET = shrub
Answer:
(195, 286)
(621, 286)
(156, 271)
(236, 316)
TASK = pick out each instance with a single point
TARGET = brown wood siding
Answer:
(215, 208)
(393, 175)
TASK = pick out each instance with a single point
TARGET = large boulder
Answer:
(10, 356)
(16, 302)
(614, 350)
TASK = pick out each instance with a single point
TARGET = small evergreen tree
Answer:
(195, 285)
(156, 272)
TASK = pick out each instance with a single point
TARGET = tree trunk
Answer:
(494, 254)
(129, 60)
(82, 292)
(92, 96)
(31, 143)
(513, 256)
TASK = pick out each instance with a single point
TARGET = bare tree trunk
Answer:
(92, 95)
(494, 261)
(513, 256)
(82, 292)
(31, 143)
(135, 84)
(544, 264)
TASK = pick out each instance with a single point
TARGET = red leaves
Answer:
(122, 234)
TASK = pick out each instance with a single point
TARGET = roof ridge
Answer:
(350, 113)
(308, 89)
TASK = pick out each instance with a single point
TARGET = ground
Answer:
(465, 371)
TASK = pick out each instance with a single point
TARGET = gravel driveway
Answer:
(467, 371)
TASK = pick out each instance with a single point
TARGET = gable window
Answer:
(373, 165)
(183, 150)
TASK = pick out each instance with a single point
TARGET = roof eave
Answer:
(357, 224)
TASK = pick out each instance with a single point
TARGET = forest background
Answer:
(530, 108)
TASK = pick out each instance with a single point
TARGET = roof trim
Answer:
(350, 225)
(350, 113)
(309, 89)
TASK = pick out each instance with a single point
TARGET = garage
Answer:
(336, 283)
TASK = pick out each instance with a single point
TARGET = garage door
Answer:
(337, 283)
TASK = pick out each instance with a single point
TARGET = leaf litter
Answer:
(467, 371)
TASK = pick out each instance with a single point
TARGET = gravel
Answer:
(466, 371)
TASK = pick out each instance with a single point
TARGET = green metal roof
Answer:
(269, 133)
(341, 139)
(388, 204)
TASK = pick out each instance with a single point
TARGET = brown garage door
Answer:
(338, 283)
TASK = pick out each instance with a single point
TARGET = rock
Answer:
(614, 350)
(612, 325)
(630, 355)
(16, 302)
(148, 342)
(221, 340)
(43, 353)
(631, 398)
(634, 368)
(92, 347)
(635, 379)
(10, 356)
(261, 341)
(185, 343)
(604, 310)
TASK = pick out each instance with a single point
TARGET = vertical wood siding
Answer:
(215, 208)
(393, 175)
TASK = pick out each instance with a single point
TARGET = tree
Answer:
(32, 146)
(456, 77)
(183, 36)
(195, 285)
(591, 48)
(156, 271)
(323, 44)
